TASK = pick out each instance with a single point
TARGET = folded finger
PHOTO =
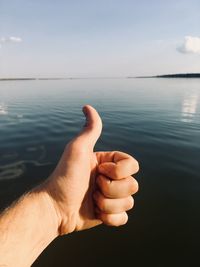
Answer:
(113, 219)
(121, 166)
(117, 188)
(109, 205)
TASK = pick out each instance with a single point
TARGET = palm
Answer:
(77, 171)
(86, 212)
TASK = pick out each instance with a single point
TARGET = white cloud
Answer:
(191, 44)
(10, 39)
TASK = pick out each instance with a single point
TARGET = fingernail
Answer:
(86, 117)
(85, 111)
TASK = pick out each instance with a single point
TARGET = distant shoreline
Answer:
(177, 75)
(69, 78)
(31, 79)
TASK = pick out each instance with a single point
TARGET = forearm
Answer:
(26, 229)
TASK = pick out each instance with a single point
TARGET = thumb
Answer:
(92, 128)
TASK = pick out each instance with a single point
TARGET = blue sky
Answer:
(98, 38)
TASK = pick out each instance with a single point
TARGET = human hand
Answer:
(87, 187)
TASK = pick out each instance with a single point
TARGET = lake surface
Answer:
(155, 120)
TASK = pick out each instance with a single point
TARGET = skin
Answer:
(86, 189)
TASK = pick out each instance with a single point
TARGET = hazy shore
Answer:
(176, 75)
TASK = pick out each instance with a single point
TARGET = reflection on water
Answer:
(17, 169)
(3, 109)
(13, 165)
(11, 171)
(189, 107)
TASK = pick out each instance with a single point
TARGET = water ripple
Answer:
(3, 109)
(17, 169)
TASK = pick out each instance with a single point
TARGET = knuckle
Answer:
(116, 173)
(134, 187)
(104, 185)
(115, 220)
(106, 191)
(125, 219)
(102, 206)
(101, 203)
(122, 219)
(136, 165)
(109, 220)
(130, 203)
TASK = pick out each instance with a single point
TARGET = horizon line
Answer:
(97, 77)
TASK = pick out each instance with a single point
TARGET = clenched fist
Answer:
(87, 187)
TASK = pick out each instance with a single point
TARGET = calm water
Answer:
(156, 120)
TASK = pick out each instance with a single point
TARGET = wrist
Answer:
(65, 220)
(49, 210)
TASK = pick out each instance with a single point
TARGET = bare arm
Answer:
(86, 189)
(26, 229)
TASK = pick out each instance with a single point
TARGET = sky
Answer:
(98, 38)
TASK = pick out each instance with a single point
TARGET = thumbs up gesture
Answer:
(88, 188)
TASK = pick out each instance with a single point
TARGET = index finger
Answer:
(121, 166)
